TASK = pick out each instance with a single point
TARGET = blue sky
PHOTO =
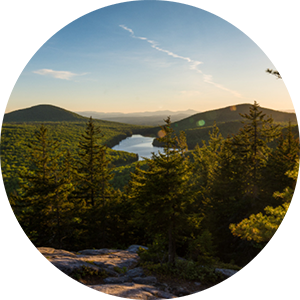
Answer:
(148, 56)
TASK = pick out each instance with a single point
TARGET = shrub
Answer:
(186, 269)
(156, 253)
(120, 270)
(201, 249)
(85, 271)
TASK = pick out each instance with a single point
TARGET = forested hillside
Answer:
(228, 120)
(42, 113)
(15, 138)
(218, 204)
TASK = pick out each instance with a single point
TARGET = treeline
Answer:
(221, 201)
(15, 137)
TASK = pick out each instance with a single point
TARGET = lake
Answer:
(138, 144)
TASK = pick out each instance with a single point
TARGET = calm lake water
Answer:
(138, 144)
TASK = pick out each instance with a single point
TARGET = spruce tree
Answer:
(282, 159)
(251, 150)
(162, 193)
(93, 185)
(43, 192)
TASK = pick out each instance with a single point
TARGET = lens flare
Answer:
(161, 134)
(201, 123)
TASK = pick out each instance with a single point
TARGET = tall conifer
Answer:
(93, 187)
(251, 149)
(43, 192)
(162, 193)
(282, 159)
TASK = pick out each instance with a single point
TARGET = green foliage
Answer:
(157, 251)
(281, 160)
(122, 174)
(186, 269)
(261, 227)
(15, 137)
(42, 203)
(161, 194)
(86, 271)
(179, 202)
(120, 270)
(202, 249)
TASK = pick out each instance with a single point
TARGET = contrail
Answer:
(193, 63)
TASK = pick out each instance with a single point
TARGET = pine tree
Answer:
(162, 193)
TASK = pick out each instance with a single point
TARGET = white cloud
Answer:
(66, 75)
(193, 63)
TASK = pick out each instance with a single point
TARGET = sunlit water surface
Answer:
(138, 144)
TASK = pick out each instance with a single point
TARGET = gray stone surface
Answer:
(133, 291)
(226, 272)
(116, 279)
(135, 248)
(133, 284)
(136, 272)
(145, 280)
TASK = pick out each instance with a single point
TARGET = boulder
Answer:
(226, 272)
(135, 248)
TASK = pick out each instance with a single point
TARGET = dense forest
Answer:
(219, 203)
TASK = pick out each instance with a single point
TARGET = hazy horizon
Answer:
(292, 110)
(148, 56)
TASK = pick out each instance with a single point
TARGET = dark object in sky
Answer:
(285, 73)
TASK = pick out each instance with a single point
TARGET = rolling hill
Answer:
(229, 114)
(42, 113)
(228, 120)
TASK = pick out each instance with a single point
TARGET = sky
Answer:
(148, 56)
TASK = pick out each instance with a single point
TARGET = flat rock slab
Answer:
(132, 291)
(118, 284)
(226, 272)
(107, 259)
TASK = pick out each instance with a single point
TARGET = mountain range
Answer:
(196, 126)
(151, 118)
(188, 119)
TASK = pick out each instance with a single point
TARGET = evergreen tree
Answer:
(68, 211)
(162, 193)
(251, 150)
(226, 205)
(93, 185)
(43, 192)
(282, 159)
(205, 163)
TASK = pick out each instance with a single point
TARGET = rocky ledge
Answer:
(116, 272)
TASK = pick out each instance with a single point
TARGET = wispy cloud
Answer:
(193, 64)
(65, 75)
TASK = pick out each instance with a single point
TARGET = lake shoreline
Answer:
(138, 144)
